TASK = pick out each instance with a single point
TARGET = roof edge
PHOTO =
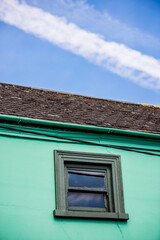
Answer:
(77, 126)
(81, 95)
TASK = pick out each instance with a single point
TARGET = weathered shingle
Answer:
(70, 108)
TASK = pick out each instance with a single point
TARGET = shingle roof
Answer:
(71, 108)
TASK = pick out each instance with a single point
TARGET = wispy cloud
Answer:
(86, 16)
(117, 58)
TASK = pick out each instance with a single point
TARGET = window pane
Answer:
(86, 179)
(76, 199)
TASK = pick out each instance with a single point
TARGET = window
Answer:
(88, 186)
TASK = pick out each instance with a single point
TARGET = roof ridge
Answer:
(79, 95)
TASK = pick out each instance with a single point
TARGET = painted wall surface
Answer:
(27, 189)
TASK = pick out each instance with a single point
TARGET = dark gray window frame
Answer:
(65, 159)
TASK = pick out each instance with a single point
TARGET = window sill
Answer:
(91, 215)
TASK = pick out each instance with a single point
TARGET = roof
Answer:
(71, 108)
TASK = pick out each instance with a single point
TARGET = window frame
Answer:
(68, 159)
(106, 191)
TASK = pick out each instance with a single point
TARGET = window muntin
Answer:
(79, 195)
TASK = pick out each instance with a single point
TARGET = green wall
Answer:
(27, 189)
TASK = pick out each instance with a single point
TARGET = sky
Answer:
(105, 49)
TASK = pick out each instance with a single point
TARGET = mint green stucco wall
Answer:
(27, 189)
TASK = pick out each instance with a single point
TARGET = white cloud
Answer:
(88, 17)
(117, 58)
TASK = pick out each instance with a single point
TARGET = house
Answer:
(77, 167)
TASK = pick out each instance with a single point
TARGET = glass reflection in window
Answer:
(79, 199)
(86, 179)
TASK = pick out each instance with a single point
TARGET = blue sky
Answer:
(106, 49)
